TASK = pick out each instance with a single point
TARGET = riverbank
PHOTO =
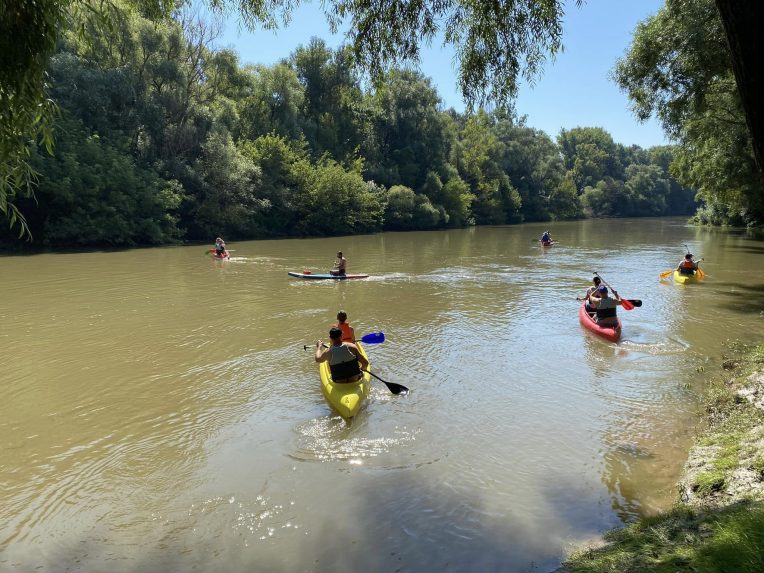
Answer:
(718, 522)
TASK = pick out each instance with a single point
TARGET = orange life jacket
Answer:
(347, 334)
(685, 264)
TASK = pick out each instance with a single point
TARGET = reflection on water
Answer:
(160, 412)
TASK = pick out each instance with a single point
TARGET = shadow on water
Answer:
(741, 297)
(457, 532)
(747, 249)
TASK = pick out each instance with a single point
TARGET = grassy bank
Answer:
(718, 522)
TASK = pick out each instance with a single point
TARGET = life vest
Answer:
(608, 312)
(343, 363)
(347, 335)
(687, 267)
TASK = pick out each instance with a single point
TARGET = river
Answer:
(159, 412)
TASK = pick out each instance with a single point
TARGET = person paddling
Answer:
(546, 238)
(687, 266)
(605, 307)
(345, 361)
(340, 267)
(589, 292)
(220, 247)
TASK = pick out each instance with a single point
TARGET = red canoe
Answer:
(612, 333)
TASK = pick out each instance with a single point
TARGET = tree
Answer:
(590, 154)
(495, 43)
(409, 132)
(679, 68)
(533, 163)
(29, 32)
(332, 97)
(742, 26)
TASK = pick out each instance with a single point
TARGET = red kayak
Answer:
(215, 255)
(611, 333)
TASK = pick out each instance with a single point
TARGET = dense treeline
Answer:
(686, 79)
(160, 137)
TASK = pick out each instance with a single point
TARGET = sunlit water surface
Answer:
(159, 412)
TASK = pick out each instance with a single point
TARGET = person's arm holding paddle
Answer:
(322, 352)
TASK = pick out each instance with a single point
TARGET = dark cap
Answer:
(335, 332)
(602, 288)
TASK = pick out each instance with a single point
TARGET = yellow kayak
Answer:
(685, 279)
(346, 399)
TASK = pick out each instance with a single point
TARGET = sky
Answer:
(573, 91)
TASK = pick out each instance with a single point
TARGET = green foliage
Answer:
(730, 539)
(301, 148)
(590, 154)
(532, 162)
(647, 190)
(409, 133)
(495, 42)
(27, 39)
(305, 198)
(274, 103)
(94, 194)
(335, 201)
(605, 199)
(227, 201)
(478, 158)
(679, 69)
(333, 104)
(564, 202)
(456, 200)
(405, 210)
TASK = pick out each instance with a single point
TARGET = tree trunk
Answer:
(742, 21)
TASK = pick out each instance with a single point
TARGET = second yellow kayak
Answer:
(685, 279)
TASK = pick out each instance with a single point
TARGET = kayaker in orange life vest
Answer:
(687, 266)
(348, 333)
(604, 306)
(345, 361)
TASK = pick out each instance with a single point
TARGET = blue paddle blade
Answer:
(373, 338)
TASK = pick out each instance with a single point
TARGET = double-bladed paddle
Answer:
(371, 338)
(699, 272)
(377, 338)
(634, 301)
(625, 302)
